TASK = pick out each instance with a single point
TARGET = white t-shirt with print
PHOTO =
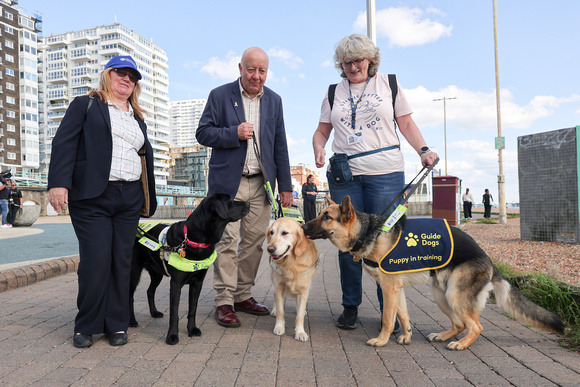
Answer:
(374, 126)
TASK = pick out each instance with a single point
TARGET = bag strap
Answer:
(394, 90)
(331, 90)
(372, 151)
(91, 99)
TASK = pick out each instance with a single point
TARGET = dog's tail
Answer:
(516, 304)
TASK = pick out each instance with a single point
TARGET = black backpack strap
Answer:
(331, 90)
(91, 99)
(394, 89)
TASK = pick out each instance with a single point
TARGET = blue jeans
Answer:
(4, 210)
(370, 194)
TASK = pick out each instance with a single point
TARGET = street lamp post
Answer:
(500, 176)
(444, 99)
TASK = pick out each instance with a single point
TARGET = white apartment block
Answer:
(70, 64)
(185, 117)
(19, 140)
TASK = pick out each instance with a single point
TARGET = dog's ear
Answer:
(346, 208)
(220, 206)
(302, 243)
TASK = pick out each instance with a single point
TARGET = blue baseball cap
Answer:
(123, 61)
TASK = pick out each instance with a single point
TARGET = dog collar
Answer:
(189, 243)
(370, 263)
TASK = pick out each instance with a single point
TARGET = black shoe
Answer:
(82, 341)
(119, 338)
(347, 319)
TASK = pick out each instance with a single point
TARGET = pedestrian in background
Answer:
(309, 192)
(467, 204)
(487, 203)
(14, 202)
(4, 202)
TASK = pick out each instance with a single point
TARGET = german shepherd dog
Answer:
(461, 288)
(204, 228)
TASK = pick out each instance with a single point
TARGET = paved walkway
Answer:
(36, 326)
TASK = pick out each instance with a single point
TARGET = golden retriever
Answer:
(293, 259)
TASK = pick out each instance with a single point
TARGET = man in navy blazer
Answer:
(243, 122)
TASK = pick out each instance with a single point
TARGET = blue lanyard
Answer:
(354, 105)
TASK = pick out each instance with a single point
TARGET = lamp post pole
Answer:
(444, 99)
(371, 25)
(500, 176)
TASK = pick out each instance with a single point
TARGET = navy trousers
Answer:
(105, 228)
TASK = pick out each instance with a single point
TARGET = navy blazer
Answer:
(82, 151)
(218, 128)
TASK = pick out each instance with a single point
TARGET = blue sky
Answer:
(437, 49)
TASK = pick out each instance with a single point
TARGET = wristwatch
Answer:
(425, 149)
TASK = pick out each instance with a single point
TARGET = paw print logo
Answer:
(412, 240)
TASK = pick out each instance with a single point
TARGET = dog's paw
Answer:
(434, 337)
(377, 343)
(404, 339)
(279, 330)
(455, 346)
(156, 314)
(301, 336)
(195, 331)
(172, 339)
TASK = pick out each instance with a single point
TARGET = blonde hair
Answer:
(105, 92)
(357, 46)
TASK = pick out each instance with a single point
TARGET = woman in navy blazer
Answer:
(95, 169)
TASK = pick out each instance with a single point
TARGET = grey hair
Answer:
(357, 46)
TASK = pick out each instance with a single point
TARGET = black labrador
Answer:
(192, 243)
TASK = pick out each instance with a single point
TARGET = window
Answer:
(11, 156)
(9, 86)
(9, 58)
(11, 100)
(8, 15)
(10, 114)
(9, 72)
(11, 141)
(9, 43)
(9, 29)
(11, 128)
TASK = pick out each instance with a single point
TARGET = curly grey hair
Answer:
(357, 46)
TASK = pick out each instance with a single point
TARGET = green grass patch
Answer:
(559, 298)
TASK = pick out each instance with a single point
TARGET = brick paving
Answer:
(38, 310)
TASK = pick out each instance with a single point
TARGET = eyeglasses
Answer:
(123, 72)
(355, 62)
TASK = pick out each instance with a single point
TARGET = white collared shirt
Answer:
(252, 114)
(127, 140)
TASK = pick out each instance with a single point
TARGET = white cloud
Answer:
(286, 56)
(405, 26)
(476, 110)
(223, 68)
(327, 63)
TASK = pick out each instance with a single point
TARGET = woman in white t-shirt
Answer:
(362, 119)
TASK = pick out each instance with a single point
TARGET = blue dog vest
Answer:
(424, 244)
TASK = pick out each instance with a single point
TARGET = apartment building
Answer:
(185, 117)
(70, 64)
(19, 141)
